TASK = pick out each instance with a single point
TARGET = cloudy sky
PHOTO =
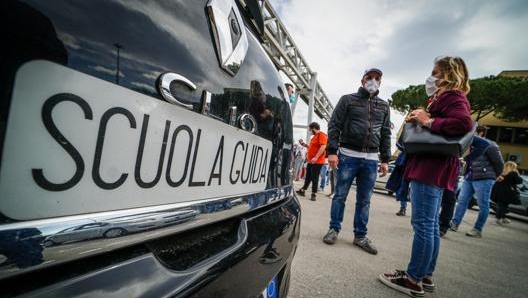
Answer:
(341, 38)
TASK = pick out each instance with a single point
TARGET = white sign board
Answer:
(77, 144)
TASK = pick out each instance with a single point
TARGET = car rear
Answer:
(162, 123)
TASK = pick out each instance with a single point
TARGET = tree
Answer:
(505, 97)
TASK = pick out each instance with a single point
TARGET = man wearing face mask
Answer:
(358, 130)
(315, 159)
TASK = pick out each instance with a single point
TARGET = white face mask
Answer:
(430, 85)
(372, 86)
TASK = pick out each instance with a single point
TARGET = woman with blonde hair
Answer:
(448, 113)
(503, 193)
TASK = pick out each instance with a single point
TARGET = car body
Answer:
(145, 150)
(381, 182)
(521, 209)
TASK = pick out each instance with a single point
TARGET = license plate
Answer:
(78, 144)
(271, 290)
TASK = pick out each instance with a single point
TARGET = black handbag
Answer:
(515, 196)
(419, 140)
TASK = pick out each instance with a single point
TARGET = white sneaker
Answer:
(498, 222)
(506, 221)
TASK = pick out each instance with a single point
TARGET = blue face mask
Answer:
(292, 98)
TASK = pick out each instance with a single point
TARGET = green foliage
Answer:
(506, 98)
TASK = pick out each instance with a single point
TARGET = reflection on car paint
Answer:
(87, 232)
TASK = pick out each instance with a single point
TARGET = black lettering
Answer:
(260, 152)
(96, 175)
(252, 163)
(244, 166)
(260, 163)
(137, 172)
(191, 182)
(263, 173)
(237, 172)
(47, 119)
(187, 159)
(219, 153)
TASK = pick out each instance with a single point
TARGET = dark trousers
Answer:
(448, 208)
(501, 211)
(312, 175)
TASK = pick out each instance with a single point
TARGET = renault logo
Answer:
(229, 34)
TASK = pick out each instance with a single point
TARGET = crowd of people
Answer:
(357, 148)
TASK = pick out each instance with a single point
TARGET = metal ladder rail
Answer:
(287, 57)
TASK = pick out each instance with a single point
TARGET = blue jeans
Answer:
(323, 175)
(402, 193)
(482, 191)
(425, 200)
(364, 171)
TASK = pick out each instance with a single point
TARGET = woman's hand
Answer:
(420, 116)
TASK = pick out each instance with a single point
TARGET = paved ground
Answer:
(493, 266)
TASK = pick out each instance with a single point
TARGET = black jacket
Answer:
(487, 165)
(362, 124)
(502, 191)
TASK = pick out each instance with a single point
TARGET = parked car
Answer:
(521, 209)
(114, 114)
(382, 181)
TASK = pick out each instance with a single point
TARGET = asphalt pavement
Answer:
(495, 265)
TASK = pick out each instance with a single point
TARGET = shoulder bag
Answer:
(419, 140)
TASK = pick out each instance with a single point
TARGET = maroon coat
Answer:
(451, 111)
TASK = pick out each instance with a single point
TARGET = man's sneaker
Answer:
(400, 282)
(428, 284)
(453, 227)
(300, 192)
(401, 212)
(313, 197)
(506, 221)
(330, 237)
(443, 231)
(498, 222)
(474, 233)
(366, 244)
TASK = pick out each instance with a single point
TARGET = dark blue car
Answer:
(145, 151)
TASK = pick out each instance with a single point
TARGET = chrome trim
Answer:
(165, 81)
(247, 122)
(31, 239)
(229, 34)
